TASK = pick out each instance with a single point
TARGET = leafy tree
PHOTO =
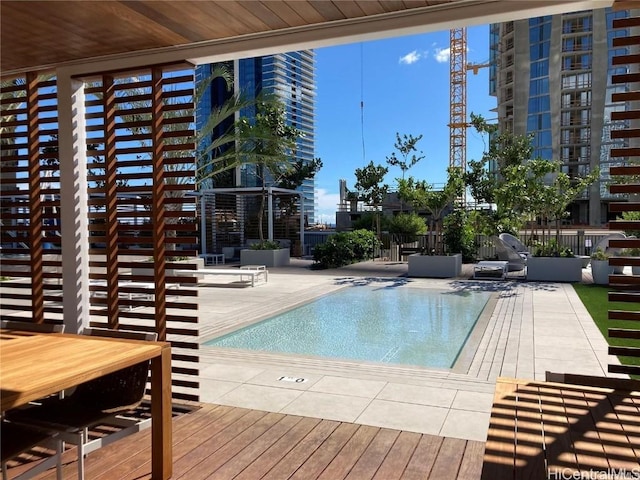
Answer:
(407, 225)
(422, 196)
(405, 146)
(293, 178)
(521, 187)
(549, 200)
(371, 189)
(631, 216)
(459, 235)
(498, 178)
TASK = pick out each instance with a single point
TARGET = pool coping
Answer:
(461, 363)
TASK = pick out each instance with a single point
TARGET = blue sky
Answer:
(405, 87)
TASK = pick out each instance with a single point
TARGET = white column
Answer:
(301, 224)
(270, 212)
(203, 224)
(74, 213)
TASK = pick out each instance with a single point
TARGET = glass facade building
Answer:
(552, 79)
(291, 78)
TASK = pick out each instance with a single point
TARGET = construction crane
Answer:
(458, 91)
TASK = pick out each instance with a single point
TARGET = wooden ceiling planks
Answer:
(238, 11)
(192, 27)
(328, 10)
(39, 34)
(287, 13)
(371, 8)
(307, 12)
(350, 9)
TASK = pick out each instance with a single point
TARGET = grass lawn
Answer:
(595, 299)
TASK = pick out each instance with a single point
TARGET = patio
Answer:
(354, 416)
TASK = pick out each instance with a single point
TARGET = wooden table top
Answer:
(34, 365)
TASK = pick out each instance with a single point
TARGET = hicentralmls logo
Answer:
(609, 474)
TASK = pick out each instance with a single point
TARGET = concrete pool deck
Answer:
(534, 328)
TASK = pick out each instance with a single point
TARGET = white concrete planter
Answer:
(435, 266)
(586, 260)
(554, 269)
(600, 271)
(635, 271)
(268, 258)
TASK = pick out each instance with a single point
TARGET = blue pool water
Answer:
(392, 325)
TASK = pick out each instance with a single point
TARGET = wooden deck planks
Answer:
(229, 445)
(318, 461)
(227, 442)
(628, 414)
(449, 459)
(342, 464)
(297, 457)
(423, 458)
(398, 457)
(274, 454)
(609, 431)
(369, 462)
(559, 451)
(500, 450)
(255, 449)
(470, 468)
(560, 429)
(529, 460)
(138, 461)
(589, 452)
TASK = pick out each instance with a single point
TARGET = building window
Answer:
(576, 24)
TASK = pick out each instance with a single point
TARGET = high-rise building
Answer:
(291, 78)
(552, 78)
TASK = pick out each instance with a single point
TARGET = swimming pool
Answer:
(400, 325)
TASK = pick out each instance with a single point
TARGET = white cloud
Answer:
(327, 206)
(442, 55)
(411, 57)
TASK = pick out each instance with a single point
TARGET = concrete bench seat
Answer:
(253, 274)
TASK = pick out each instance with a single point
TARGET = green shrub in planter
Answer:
(345, 248)
(599, 254)
(552, 249)
(265, 245)
(459, 236)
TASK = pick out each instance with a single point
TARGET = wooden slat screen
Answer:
(626, 288)
(31, 264)
(141, 168)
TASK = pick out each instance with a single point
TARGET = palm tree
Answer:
(268, 142)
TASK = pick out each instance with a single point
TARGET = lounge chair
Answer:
(506, 253)
(515, 243)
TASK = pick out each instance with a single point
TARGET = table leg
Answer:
(161, 437)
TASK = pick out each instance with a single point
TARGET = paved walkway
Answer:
(534, 327)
